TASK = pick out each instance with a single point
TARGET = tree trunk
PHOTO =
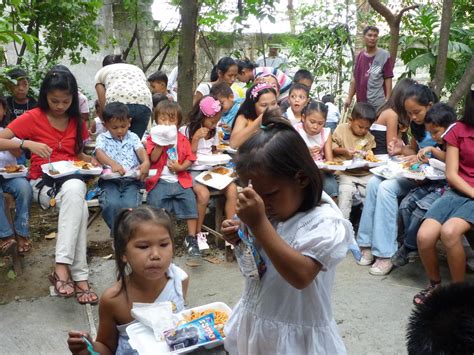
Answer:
(291, 16)
(464, 84)
(187, 54)
(441, 61)
(362, 14)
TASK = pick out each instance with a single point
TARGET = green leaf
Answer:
(11, 275)
(424, 60)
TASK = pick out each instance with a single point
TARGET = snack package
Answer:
(158, 316)
(250, 261)
(172, 153)
(196, 332)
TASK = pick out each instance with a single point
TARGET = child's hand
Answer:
(201, 133)
(94, 162)
(411, 159)
(174, 166)
(395, 146)
(351, 151)
(250, 207)
(117, 168)
(229, 230)
(422, 154)
(76, 344)
(40, 149)
(144, 168)
(314, 150)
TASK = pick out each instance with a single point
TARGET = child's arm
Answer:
(297, 269)
(452, 172)
(346, 152)
(200, 133)
(243, 131)
(176, 167)
(156, 153)
(104, 159)
(328, 149)
(435, 152)
(145, 163)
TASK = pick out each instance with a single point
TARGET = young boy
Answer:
(19, 102)
(298, 98)
(333, 112)
(159, 84)
(122, 151)
(222, 92)
(302, 76)
(350, 140)
(171, 155)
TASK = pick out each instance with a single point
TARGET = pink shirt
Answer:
(461, 136)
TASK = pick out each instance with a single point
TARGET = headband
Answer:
(209, 106)
(260, 87)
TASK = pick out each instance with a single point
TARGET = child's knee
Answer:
(450, 236)
(202, 194)
(426, 237)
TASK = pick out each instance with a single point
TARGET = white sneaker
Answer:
(202, 240)
(367, 258)
(381, 267)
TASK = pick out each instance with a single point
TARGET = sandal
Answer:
(24, 245)
(7, 246)
(81, 292)
(55, 280)
(421, 296)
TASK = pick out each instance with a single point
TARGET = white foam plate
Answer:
(217, 182)
(107, 174)
(388, 171)
(65, 168)
(437, 164)
(22, 173)
(213, 159)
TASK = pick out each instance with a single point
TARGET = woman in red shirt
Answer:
(54, 130)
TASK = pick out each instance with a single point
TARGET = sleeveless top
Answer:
(380, 134)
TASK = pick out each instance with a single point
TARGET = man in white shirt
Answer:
(273, 59)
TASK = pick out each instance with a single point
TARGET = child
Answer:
(414, 206)
(143, 240)
(20, 189)
(451, 216)
(349, 139)
(159, 84)
(230, 106)
(318, 139)
(249, 117)
(52, 132)
(201, 132)
(333, 112)
(171, 155)
(122, 151)
(302, 76)
(301, 237)
(19, 102)
(97, 125)
(298, 98)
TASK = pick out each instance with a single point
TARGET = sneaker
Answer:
(202, 240)
(191, 245)
(404, 256)
(367, 258)
(381, 267)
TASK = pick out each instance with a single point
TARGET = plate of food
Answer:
(388, 171)
(216, 180)
(108, 174)
(213, 159)
(59, 169)
(331, 165)
(376, 160)
(87, 168)
(13, 171)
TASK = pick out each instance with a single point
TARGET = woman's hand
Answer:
(41, 149)
(76, 344)
(229, 228)
(250, 207)
(395, 146)
(423, 154)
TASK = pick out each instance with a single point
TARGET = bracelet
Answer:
(21, 143)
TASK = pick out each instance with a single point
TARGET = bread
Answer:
(221, 170)
(207, 177)
(10, 169)
(329, 162)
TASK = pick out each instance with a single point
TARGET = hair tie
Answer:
(260, 87)
(209, 106)
(262, 126)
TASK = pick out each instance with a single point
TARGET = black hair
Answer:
(248, 106)
(328, 98)
(245, 64)
(221, 89)
(468, 115)
(115, 110)
(370, 28)
(5, 120)
(157, 98)
(303, 74)
(112, 59)
(444, 323)
(424, 96)
(63, 80)
(97, 105)
(125, 227)
(363, 111)
(170, 108)
(195, 119)
(278, 150)
(396, 100)
(441, 114)
(315, 106)
(17, 74)
(299, 86)
(159, 76)
(222, 66)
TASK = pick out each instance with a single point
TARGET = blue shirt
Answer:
(124, 151)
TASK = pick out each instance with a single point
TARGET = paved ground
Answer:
(372, 312)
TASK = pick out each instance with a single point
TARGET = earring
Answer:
(128, 269)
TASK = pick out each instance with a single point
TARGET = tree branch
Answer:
(464, 84)
(165, 46)
(441, 61)
(405, 9)
(130, 44)
(382, 10)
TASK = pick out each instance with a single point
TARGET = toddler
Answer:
(230, 106)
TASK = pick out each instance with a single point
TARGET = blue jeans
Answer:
(174, 198)
(330, 185)
(118, 194)
(21, 190)
(378, 223)
(140, 115)
(413, 209)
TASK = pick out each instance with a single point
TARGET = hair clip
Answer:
(260, 87)
(209, 106)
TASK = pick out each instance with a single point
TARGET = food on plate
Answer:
(221, 170)
(222, 147)
(207, 177)
(10, 169)
(82, 165)
(220, 318)
(53, 172)
(371, 157)
(234, 175)
(330, 162)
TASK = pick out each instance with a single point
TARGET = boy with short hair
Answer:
(302, 76)
(297, 98)
(333, 112)
(230, 105)
(159, 84)
(352, 140)
(19, 102)
(122, 151)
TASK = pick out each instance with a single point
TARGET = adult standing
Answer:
(273, 59)
(126, 83)
(373, 72)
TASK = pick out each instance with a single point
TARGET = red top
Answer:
(184, 153)
(34, 125)
(461, 136)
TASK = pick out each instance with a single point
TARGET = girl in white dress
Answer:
(301, 236)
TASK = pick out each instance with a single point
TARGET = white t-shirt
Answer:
(204, 147)
(317, 140)
(204, 88)
(333, 113)
(83, 103)
(7, 158)
(291, 117)
(166, 173)
(99, 126)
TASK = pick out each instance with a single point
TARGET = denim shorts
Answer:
(174, 198)
(452, 205)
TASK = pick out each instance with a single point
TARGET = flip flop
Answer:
(24, 245)
(7, 246)
(54, 279)
(81, 292)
